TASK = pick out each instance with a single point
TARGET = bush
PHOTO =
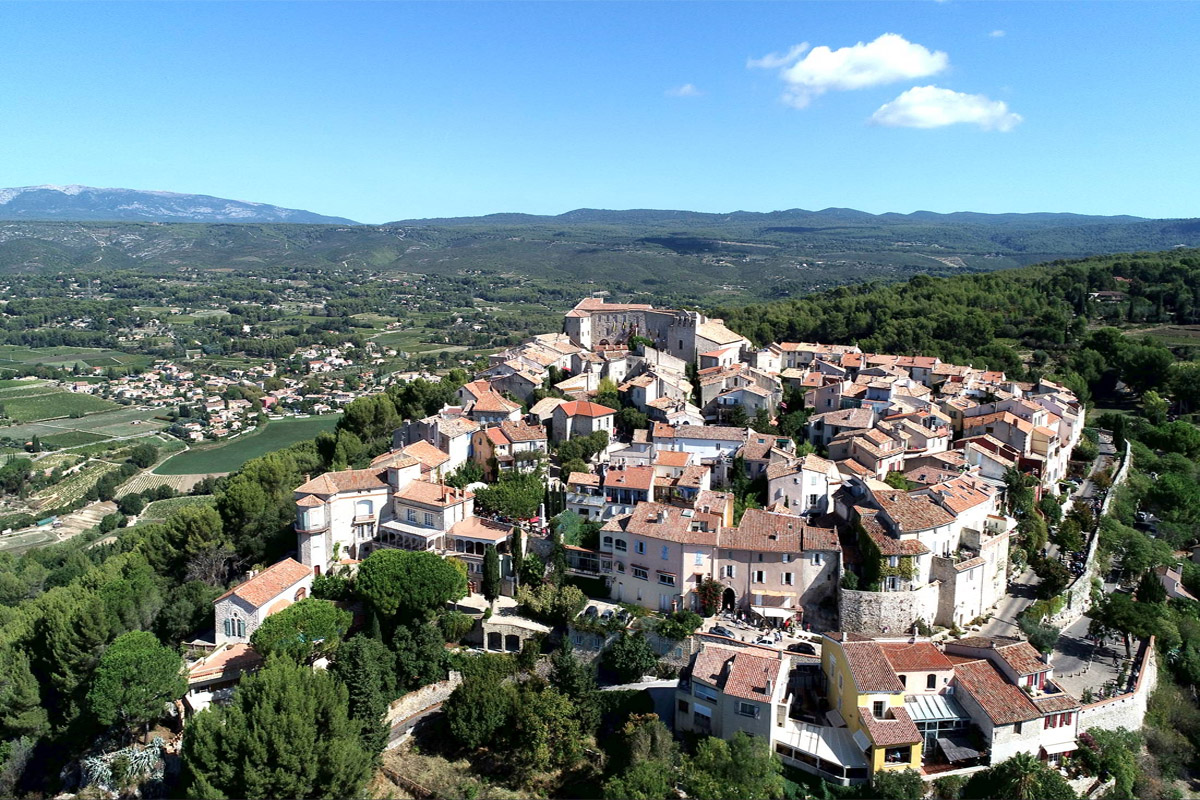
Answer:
(455, 625)
(679, 625)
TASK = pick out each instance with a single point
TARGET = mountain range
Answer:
(678, 256)
(88, 204)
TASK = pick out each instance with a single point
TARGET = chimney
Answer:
(770, 686)
(662, 515)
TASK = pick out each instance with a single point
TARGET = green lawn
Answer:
(52, 404)
(73, 438)
(228, 456)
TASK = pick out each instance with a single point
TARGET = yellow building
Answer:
(866, 693)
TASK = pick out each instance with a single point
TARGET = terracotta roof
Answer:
(1002, 701)
(762, 530)
(913, 513)
(226, 664)
(825, 539)
(496, 437)
(888, 546)
(310, 501)
(397, 459)
(426, 453)
(476, 528)
(433, 494)
(709, 432)
(477, 388)
(582, 408)
(522, 431)
(1056, 703)
(456, 426)
(583, 479)
(494, 402)
(1022, 658)
(268, 584)
(846, 418)
(668, 523)
(544, 407)
(630, 478)
(716, 332)
(890, 732)
(737, 671)
(347, 480)
(915, 657)
(672, 458)
(870, 667)
(962, 493)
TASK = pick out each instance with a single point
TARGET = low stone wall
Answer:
(1125, 710)
(1079, 593)
(887, 612)
(426, 697)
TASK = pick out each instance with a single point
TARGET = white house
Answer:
(243, 608)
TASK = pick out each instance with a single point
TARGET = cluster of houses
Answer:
(899, 523)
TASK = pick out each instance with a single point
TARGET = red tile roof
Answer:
(1002, 701)
(630, 478)
(270, 583)
(433, 494)
(870, 667)
(915, 657)
(582, 408)
(738, 672)
(890, 732)
(347, 480)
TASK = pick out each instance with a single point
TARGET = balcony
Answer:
(365, 519)
(300, 528)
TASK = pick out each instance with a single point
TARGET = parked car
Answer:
(721, 630)
(802, 647)
(769, 641)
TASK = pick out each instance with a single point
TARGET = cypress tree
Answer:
(491, 573)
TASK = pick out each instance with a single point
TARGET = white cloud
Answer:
(934, 107)
(777, 60)
(889, 58)
(996, 34)
(687, 90)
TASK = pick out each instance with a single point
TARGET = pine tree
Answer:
(287, 733)
(367, 669)
(491, 573)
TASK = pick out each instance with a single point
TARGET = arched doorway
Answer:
(728, 600)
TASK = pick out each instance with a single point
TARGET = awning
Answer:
(1061, 747)
(768, 611)
(956, 748)
(835, 718)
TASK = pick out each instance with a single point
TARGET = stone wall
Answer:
(1125, 710)
(887, 612)
(1079, 594)
(426, 697)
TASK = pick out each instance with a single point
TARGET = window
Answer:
(904, 680)
(730, 570)
(608, 543)
(818, 559)
(665, 579)
(227, 627)
(411, 516)
(894, 583)
(786, 558)
(893, 561)
(698, 559)
(877, 709)
(812, 500)
(621, 545)
(683, 706)
(787, 579)
(639, 572)
(748, 710)
(896, 755)
(759, 576)
(1017, 729)
(931, 682)
(666, 552)
(640, 547)
(760, 557)
(700, 690)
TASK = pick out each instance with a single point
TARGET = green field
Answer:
(161, 509)
(121, 421)
(73, 439)
(229, 456)
(69, 357)
(47, 403)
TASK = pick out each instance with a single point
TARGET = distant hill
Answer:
(89, 204)
(677, 257)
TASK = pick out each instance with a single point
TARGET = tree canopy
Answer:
(303, 631)
(403, 585)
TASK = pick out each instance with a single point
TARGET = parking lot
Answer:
(744, 631)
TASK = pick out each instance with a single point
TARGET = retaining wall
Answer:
(1125, 710)
(414, 703)
(887, 612)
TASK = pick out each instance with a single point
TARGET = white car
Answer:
(769, 641)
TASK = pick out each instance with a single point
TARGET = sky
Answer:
(383, 111)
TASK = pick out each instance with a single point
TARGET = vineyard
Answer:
(73, 487)
(148, 480)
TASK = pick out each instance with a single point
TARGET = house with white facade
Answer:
(243, 608)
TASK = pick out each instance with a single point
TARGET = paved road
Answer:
(1019, 597)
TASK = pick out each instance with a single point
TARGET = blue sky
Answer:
(383, 111)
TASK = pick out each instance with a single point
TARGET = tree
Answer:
(143, 455)
(742, 768)
(515, 494)
(491, 573)
(1119, 612)
(646, 781)
(367, 669)
(406, 585)
(898, 785)
(478, 708)
(553, 604)
(304, 631)
(134, 680)
(1055, 577)
(420, 655)
(188, 609)
(533, 570)
(630, 657)
(543, 733)
(286, 733)
(1022, 777)
(467, 473)
(575, 680)
(21, 711)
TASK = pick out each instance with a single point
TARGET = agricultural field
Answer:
(229, 456)
(1170, 335)
(73, 487)
(65, 357)
(72, 439)
(148, 480)
(119, 423)
(51, 405)
(161, 509)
